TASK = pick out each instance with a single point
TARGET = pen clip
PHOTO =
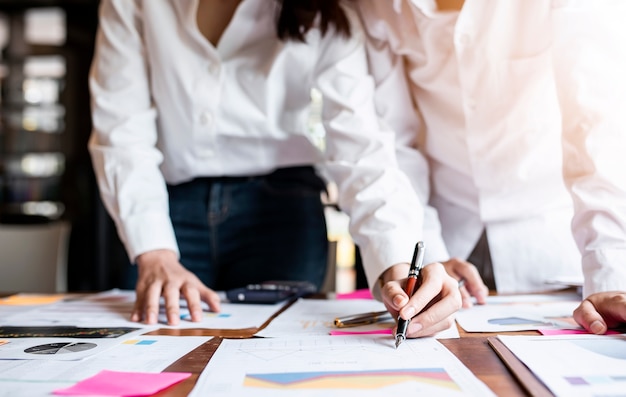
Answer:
(417, 263)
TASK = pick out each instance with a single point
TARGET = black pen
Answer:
(414, 273)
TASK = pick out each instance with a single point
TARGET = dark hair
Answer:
(294, 18)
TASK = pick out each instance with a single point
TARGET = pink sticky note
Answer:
(114, 383)
(374, 332)
(358, 294)
(551, 332)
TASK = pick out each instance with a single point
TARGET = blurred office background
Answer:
(49, 212)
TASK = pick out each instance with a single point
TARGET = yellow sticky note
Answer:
(31, 299)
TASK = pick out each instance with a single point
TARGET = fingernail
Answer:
(398, 300)
(597, 327)
(416, 327)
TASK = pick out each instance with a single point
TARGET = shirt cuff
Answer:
(604, 270)
(147, 233)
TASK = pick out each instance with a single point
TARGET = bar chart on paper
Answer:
(327, 365)
(351, 379)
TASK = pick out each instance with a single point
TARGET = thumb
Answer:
(588, 317)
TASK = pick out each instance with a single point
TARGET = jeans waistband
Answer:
(304, 174)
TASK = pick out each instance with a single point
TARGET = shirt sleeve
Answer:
(399, 112)
(385, 214)
(123, 141)
(589, 60)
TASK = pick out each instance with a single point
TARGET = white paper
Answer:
(315, 317)
(113, 308)
(574, 365)
(33, 378)
(520, 313)
(109, 308)
(336, 366)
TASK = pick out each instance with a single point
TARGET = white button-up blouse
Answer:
(168, 106)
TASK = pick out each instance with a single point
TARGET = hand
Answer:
(473, 283)
(161, 274)
(602, 311)
(436, 300)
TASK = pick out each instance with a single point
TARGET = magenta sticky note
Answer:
(386, 331)
(551, 332)
(114, 383)
(358, 294)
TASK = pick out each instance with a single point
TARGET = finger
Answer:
(211, 298)
(432, 284)
(171, 295)
(194, 305)
(472, 282)
(137, 313)
(611, 306)
(394, 296)
(438, 311)
(151, 303)
(417, 330)
(466, 297)
(588, 317)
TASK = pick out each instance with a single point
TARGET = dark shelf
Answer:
(95, 253)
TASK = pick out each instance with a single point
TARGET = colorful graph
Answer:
(186, 316)
(139, 342)
(350, 379)
(593, 380)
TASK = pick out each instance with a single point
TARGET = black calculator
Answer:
(270, 292)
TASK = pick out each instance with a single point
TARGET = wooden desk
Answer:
(472, 349)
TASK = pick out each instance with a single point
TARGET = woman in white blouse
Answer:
(203, 161)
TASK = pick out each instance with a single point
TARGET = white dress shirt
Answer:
(521, 126)
(168, 106)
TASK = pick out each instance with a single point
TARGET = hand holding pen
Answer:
(411, 283)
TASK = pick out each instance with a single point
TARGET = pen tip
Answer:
(398, 340)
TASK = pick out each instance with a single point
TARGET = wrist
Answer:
(153, 256)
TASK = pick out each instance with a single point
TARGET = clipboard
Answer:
(533, 386)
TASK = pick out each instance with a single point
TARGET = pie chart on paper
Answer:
(60, 348)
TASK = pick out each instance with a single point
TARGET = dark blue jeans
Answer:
(234, 231)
